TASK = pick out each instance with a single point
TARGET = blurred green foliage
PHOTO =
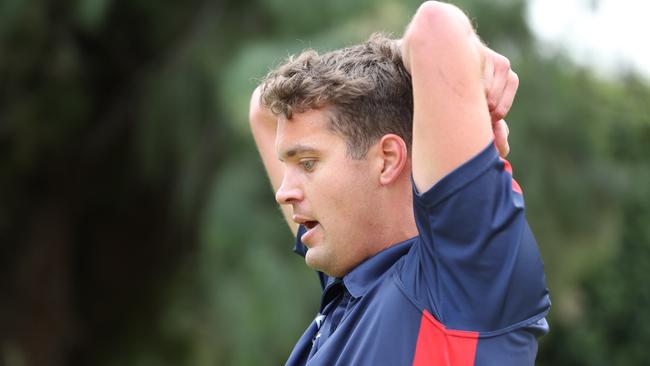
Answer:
(137, 224)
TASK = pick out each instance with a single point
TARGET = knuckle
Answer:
(492, 103)
(514, 78)
(502, 110)
(503, 61)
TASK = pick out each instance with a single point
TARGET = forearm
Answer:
(451, 121)
(263, 127)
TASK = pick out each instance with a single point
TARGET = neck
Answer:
(398, 220)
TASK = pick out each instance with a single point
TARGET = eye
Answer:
(308, 165)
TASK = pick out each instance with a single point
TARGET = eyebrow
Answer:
(297, 150)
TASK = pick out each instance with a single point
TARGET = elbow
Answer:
(260, 118)
(436, 12)
(434, 22)
(255, 111)
(435, 27)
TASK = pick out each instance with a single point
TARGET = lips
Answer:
(309, 223)
(307, 237)
(305, 221)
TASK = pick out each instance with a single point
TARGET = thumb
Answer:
(501, 132)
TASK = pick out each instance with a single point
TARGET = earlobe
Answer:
(394, 155)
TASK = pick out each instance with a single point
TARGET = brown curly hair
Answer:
(365, 87)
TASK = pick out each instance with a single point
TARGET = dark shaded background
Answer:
(137, 226)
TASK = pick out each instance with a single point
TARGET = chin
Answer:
(314, 260)
(311, 259)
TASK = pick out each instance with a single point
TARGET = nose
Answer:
(289, 192)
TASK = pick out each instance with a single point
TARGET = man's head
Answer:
(344, 127)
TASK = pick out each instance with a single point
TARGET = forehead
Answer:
(305, 132)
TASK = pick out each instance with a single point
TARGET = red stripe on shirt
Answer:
(508, 168)
(440, 346)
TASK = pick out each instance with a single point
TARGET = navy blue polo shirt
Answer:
(468, 290)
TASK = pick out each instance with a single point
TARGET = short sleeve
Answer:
(476, 253)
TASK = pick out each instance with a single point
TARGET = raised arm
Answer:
(263, 126)
(452, 121)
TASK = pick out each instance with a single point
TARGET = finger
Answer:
(499, 80)
(501, 132)
(507, 98)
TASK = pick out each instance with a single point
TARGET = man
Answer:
(383, 159)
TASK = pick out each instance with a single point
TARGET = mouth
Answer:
(305, 221)
(310, 224)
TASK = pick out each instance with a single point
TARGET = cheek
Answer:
(359, 184)
(339, 192)
(349, 197)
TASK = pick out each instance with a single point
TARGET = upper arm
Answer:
(451, 121)
(476, 254)
(263, 126)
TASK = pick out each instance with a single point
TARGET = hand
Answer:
(501, 85)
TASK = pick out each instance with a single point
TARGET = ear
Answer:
(394, 156)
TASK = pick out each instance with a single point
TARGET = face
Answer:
(331, 194)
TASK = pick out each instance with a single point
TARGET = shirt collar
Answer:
(365, 275)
